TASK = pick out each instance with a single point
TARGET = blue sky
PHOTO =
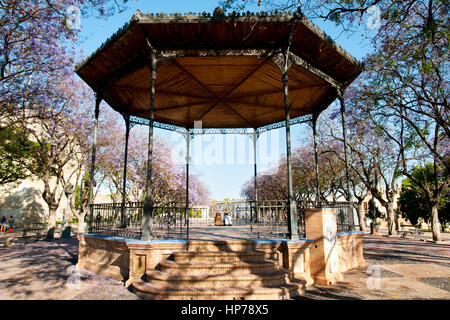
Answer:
(223, 179)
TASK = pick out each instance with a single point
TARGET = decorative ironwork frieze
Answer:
(145, 122)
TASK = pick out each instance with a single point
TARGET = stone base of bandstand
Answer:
(128, 259)
(321, 259)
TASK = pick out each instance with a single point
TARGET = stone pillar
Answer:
(140, 254)
(297, 258)
(145, 256)
(321, 227)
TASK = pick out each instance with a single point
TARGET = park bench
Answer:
(27, 234)
(404, 233)
(36, 231)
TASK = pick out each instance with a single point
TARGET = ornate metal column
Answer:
(123, 221)
(292, 204)
(98, 100)
(147, 219)
(255, 172)
(188, 137)
(316, 158)
(255, 180)
(347, 176)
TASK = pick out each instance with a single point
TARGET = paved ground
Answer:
(398, 269)
(45, 270)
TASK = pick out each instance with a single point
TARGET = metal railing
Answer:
(265, 219)
(170, 220)
(269, 219)
(106, 219)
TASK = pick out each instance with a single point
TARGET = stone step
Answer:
(218, 256)
(217, 245)
(211, 268)
(217, 274)
(276, 278)
(158, 291)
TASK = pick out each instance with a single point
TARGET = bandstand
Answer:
(228, 74)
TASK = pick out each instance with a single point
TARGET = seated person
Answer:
(11, 222)
(227, 220)
(218, 219)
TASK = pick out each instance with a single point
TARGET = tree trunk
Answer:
(435, 225)
(49, 198)
(391, 218)
(361, 217)
(397, 224)
(51, 226)
(80, 216)
(81, 224)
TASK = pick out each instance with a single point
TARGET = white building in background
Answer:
(23, 200)
(200, 212)
(237, 208)
(25, 203)
(103, 198)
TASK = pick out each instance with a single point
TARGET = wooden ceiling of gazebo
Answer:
(218, 70)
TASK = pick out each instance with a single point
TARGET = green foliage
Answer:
(195, 213)
(77, 198)
(413, 202)
(16, 155)
(81, 199)
(341, 217)
(373, 211)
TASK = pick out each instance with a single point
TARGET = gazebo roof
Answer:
(219, 69)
